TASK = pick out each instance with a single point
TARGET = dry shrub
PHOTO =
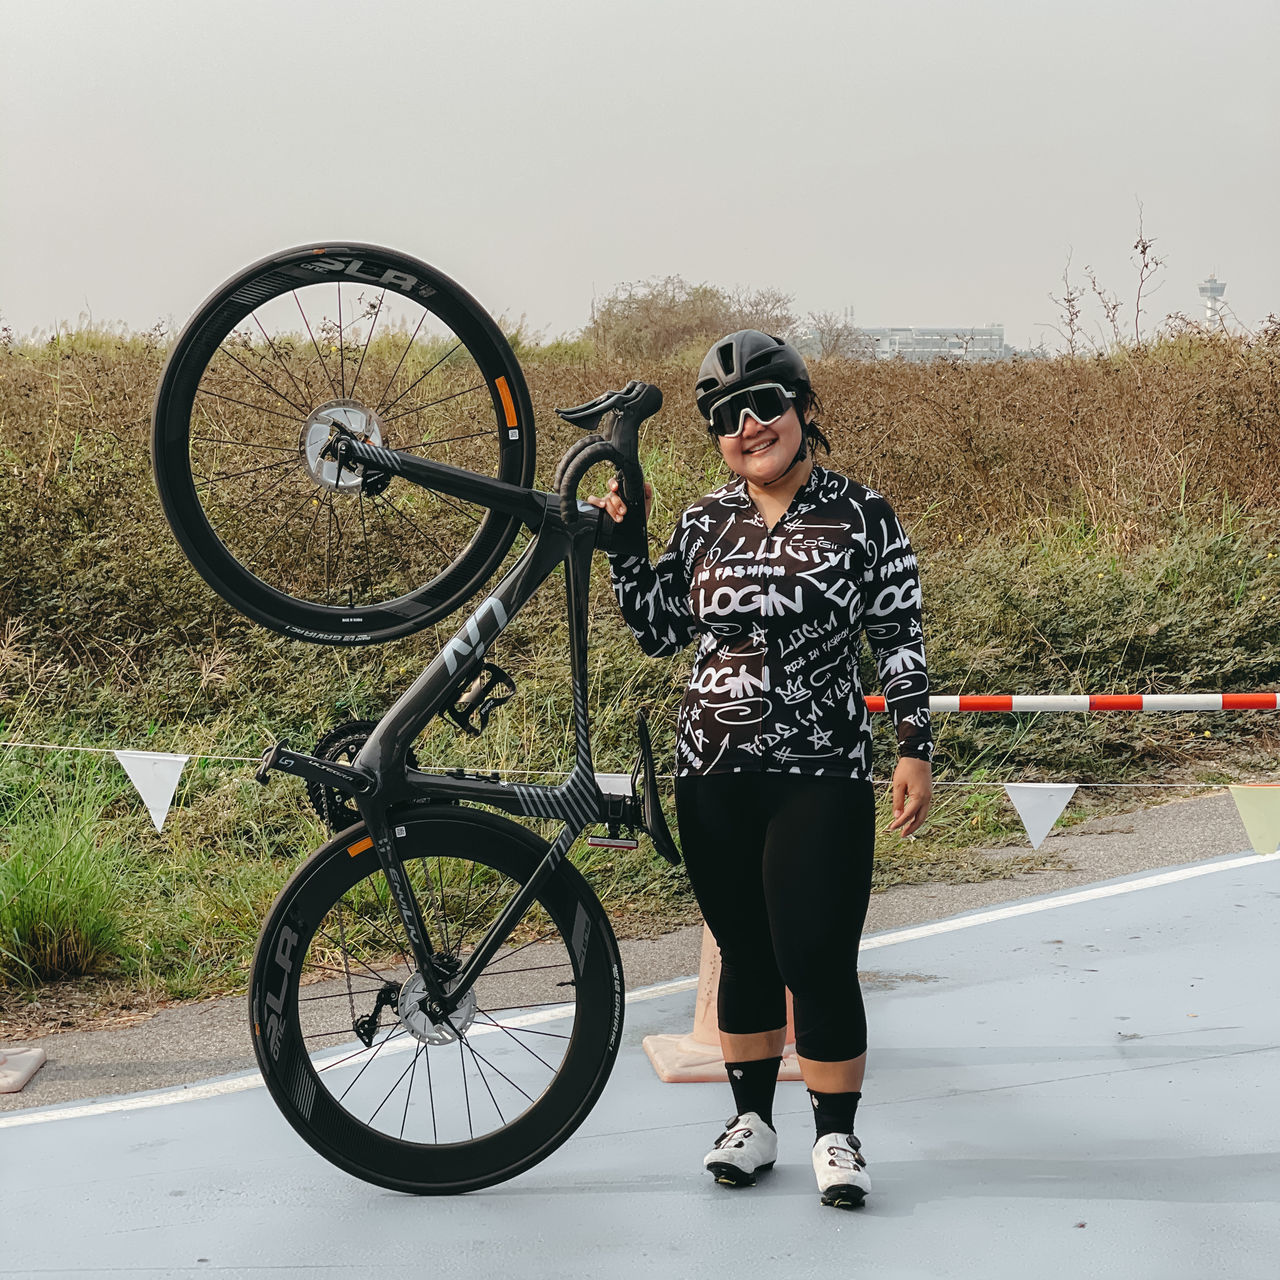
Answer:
(1124, 449)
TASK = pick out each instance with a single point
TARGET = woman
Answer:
(775, 575)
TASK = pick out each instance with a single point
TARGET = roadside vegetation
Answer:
(1099, 521)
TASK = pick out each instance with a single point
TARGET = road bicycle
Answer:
(343, 444)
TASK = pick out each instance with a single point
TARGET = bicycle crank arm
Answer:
(342, 777)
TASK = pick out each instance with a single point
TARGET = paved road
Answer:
(1078, 1085)
(210, 1038)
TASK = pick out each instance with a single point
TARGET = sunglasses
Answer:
(766, 403)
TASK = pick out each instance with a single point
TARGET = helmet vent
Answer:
(763, 360)
(725, 355)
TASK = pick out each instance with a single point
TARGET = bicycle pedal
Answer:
(491, 689)
(612, 842)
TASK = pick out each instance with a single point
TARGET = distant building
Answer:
(912, 342)
(1212, 291)
(931, 343)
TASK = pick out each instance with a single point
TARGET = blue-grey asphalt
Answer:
(1086, 1091)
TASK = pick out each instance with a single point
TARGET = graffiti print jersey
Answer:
(777, 614)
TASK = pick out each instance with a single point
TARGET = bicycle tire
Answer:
(248, 399)
(326, 1081)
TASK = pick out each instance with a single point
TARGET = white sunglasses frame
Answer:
(755, 386)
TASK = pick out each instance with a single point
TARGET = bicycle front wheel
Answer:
(365, 1077)
(313, 342)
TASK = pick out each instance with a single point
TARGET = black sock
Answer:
(753, 1084)
(834, 1112)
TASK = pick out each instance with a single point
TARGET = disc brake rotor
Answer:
(321, 426)
(419, 1023)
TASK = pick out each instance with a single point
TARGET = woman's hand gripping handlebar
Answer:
(613, 419)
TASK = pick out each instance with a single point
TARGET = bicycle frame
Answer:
(380, 781)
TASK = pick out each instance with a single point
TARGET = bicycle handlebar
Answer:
(614, 420)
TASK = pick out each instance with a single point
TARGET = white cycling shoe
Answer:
(841, 1170)
(746, 1147)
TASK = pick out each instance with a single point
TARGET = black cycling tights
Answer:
(781, 866)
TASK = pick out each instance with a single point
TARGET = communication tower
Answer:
(1211, 291)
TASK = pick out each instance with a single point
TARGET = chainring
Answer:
(342, 743)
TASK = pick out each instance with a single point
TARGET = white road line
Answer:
(238, 1084)
(1061, 900)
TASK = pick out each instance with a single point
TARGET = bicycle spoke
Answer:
(461, 510)
(223, 350)
(527, 1031)
(244, 404)
(408, 347)
(484, 1080)
(413, 525)
(372, 1056)
(532, 1004)
(383, 410)
(250, 471)
(480, 913)
(242, 513)
(431, 1094)
(532, 941)
(342, 347)
(324, 367)
(377, 977)
(532, 968)
(373, 324)
(427, 444)
(239, 444)
(302, 395)
(422, 408)
(341, 995)
(442, 918)
(248, 560)
(328, 546)
(408, 1093)
(507, 1032)
(466, 1093)
(395, 1086)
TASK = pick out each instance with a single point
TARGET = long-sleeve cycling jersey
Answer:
(777, 613)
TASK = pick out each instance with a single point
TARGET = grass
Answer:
(60, 864)
(1085, 524)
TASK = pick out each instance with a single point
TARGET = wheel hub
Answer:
(419, 1023)
(321, 426)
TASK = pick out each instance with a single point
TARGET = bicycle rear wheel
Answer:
(538, 1035)
(302, 345)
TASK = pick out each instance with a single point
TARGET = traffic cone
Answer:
(696, 1056)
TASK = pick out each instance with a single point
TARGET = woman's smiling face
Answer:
(762, 453)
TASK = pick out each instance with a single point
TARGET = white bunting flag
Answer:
(1259, 809)
(155, 774)
(1038, 805)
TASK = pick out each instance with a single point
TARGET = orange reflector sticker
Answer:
(508, 405)
(360, 846)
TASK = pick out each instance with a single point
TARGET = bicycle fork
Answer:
(438, 1003)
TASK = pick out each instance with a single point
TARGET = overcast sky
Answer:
(923, 163)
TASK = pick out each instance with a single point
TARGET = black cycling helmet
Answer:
(744, 358)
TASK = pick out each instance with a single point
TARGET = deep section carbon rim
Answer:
(363, 1074)
(306, 345)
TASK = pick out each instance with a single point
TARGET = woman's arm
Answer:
(654, 599)
(894, 631)
(891, 582)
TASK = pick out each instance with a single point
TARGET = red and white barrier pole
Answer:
(1098, 702)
